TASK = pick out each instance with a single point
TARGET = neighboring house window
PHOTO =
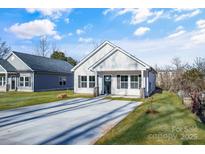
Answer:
(62, 80)
(91, 81)
(21, 81)
(25, 81)
(2, 80)
(135, 81)
(123, 81)
(83, 82)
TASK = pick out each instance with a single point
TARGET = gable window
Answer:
(2, 80)
(25, 81)
(135, 81)
(91, 81)
(62, 80)
(123, 81)
(83, 81)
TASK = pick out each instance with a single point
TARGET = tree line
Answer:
(182, 76)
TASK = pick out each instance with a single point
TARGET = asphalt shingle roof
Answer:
(43, 64)
(7, 66)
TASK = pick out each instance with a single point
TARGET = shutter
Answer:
(118, 81)
(79, 86)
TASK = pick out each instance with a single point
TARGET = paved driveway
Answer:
(76, 121)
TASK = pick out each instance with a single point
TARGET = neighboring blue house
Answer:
(25, 72)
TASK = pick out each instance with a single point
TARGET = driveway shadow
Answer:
(25, 117)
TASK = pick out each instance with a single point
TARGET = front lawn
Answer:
(172, 123)
(10, 100)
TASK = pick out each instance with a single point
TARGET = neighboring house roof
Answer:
(44, 64)
(7, 66)
(92, 53)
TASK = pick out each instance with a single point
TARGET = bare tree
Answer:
(176, 61)
(55, 47)
(199, 63)
(4, 48)
(43, 47)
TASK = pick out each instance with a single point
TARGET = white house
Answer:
(111, 70)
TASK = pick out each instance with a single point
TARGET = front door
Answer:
(107, 84)
(13, 83)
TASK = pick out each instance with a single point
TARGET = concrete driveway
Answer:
(76, 121)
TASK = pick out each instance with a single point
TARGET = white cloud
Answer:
(198, 36)
(70, 34)
(85, 40)
(67, 20)
(176, 34)
(79, 31)
(105, 12)
(141, 31)
(156, 17)
(57, 37)
(201, 23)
(187, 15)
(85, 28)
(138, 15)
(54, 13)
(34, 28)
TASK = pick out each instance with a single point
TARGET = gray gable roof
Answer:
(44, 64)
(7, 66)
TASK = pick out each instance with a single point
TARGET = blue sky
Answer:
(153, 35)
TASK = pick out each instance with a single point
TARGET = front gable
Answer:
(17, 63)
(118, 61)
(93, 58)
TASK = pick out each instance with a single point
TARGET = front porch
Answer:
(8, 81)
(122, 83)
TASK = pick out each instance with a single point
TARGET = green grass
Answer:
(173, 124)
(10, 100)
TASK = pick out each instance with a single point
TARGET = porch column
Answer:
(142, 79)
(142, 90)
(6, 81)
(96, 89)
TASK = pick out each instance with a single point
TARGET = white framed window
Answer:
(2, 80)
(21, 81)
(27, 81)
(91, 81)
(124, 81)
(135, 81)
(83, 81)
(24, 81)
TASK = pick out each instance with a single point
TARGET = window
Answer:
(135, 81)
(124, 82)
(2, 80)
(21, 81)
(84, 81)
(62, 81)
(25, 81)
(91, 81)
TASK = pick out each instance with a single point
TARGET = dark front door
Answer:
(107, 84)
(13, 83)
